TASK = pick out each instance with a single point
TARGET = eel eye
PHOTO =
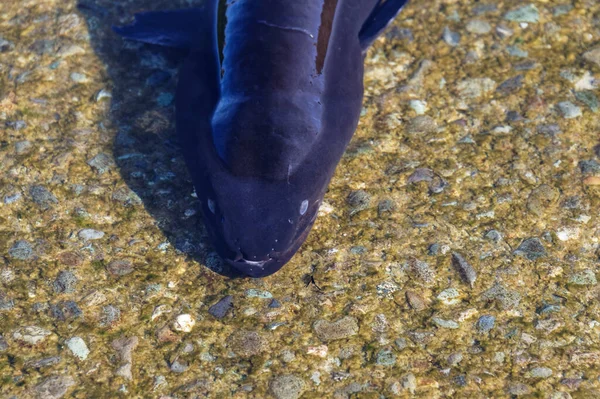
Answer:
(303, 207)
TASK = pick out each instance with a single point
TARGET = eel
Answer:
(268, 98)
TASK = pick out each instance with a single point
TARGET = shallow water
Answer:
(479, 138)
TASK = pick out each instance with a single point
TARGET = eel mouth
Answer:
(275, 261)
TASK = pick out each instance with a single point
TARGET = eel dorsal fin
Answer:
(383, 13)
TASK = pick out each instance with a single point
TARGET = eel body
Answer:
(268, 98)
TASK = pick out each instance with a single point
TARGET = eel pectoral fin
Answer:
(184, 29)
(383, 13)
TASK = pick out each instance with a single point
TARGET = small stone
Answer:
(515, 51)
(422, 271)
(588, 98)
(358, 200)
(451, 324)
(451, 38)
(31, 334)
(72, 259)
(101, 163)
(422, 124)
(569, 110)
(409, 383)
(465, 270)
(3, 344)
(78, 347)
(90, 234)
(511, 85)
(65, 310)
(385, 357)
(508, 299)
(455, 358)
(486, 323)
(541, 199)
(110, 316)
(287, 386)
(124, 347)
(42, 197)
(12, 198)
(42, 363)
(164, 99)
(120, 267)
(126, 196)
(418, 106)
(531, 248)
(254, 293)
(22, 147)
(540, 372)
(518, 389)
(415, 301)
(419, 175)
(54, 387)
(527, 13)
(275, 304)
(65, 282)
(494, 236)
(551, 130)
(179, 366)
(593, 56)
(184, 323)
(221, 308)
(246, 343)
(5, 45)
(475, 87)
(585, 277)
(79, 77)
(328, 331)
(449, 296)
(102, 94)
(478, 27)
(21, 250)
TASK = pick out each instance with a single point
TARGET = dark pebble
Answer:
(41, 363)
(6, 303)
(65, 310)
(531, 248)
(590, 166)
(400, 34)
(65, 282)
(221, 308)
(3, 344)
(460, 380)
(42, 197)
(358, 201)
(275, 304)
(21, 250)
(465, 270)
(385, 206)
(421, 174)
(511, 85)
(551, 130)
(486, 323)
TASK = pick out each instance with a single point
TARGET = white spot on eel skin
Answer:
(303, 207)
(211, 205)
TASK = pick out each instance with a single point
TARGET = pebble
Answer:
(42, 363)
(102, 94)
(511, 85)
(486, 323)
(415, 301)
(254, 293)
(418, 106)
(120, 267)
(65, 310)
(593, 56)
(588, 98)
(31, 335)
(569, 110)
(246, 343)
(124, 347)
(540, 372)
(12, 198)
(5, 45)
(515, 51)
(409, 383)
(42, 197)
(422, 124)
(101, 163)
(585, 277)
(65, 282)
(221, 308)
(422, 271)
(110, 315)
(451, 38)
(288, 386)
(527, 13)
(275, 304)
(90, 234)
(21, 250)
(475, 87)
(3, 344)
(54, 387)
(508, 299)
(478, 27)
(184, 323)
(358, 200)
(465, 270)
(451, 324)
(328, 331)
(494, 236)
(450, 296)
(385, 357)
(78, 77)
(78, 346)
(22, 147)
(531, 248)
